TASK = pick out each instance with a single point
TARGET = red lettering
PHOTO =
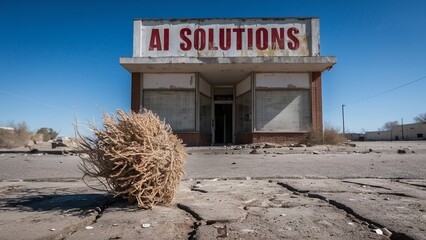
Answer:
(262, 38)
(211, 39)
(239, 33)
(186, 45)
(225, 44)
(250, 39)
(199, 39)
(155, 41)
(166, 39)
(294, 45)
(204, 39)
(277, 39)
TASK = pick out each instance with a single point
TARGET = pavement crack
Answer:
(331, 202)
(190, 211)
(193, 234)
(349, 210)
(196, 224)
(370, 185)
(396, 194)
(103, 206)
(371, 223)
(198, 190)
(68, 231)
(412, 184)
(400, 236)
(292, 189)
(318, 196)
(99, 210)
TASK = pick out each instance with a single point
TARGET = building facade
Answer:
(221, 81)
(407, 132)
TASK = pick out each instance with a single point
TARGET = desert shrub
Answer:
(330, 136)
(47, 133)
(314, 137)
(18, 137)
(134, 155)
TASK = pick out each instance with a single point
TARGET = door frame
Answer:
(214, 103)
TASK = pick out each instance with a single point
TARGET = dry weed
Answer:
(332, 136)
(135, 156)
(15, 138)
(329, 136)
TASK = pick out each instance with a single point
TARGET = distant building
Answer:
(378, 136)
(7, 128)
(355, 136)
(220, 81)
(414, 131)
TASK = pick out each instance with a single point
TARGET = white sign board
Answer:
(224, 37)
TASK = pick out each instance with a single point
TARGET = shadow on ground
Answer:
(68, 203)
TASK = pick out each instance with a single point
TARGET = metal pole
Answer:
(343, 118)
(402, 128)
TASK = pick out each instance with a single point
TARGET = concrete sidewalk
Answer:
(282, 193)
(237, 209)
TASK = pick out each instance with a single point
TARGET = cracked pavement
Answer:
(363, 192)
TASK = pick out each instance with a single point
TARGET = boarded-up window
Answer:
(177, 108)
(205, 114)
(244, 112)
(283, 110)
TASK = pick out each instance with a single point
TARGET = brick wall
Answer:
(258, 137)
(316, 96)
(195, 139)
(136, 92)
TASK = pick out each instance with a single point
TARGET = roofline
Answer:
(228, 18)
(182, 64)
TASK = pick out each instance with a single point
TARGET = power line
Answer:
(381, 93)
(35, 101)
(387, 91)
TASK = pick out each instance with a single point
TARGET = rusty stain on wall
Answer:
(211, 38)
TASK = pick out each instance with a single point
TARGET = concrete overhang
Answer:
(227, 70)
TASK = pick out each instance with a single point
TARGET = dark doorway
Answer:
(223, 123)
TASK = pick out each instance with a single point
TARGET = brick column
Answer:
(316, 96)
(136, 92)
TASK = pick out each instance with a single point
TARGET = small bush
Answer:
(329, 136)
(332, 136)
(47, 134)
(314, 137)
(135, 156)
(15, 138)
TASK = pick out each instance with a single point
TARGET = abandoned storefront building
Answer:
(221, 81)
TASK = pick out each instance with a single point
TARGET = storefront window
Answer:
(283, 110)
(205, 114)
(177, 108)
(244, 112)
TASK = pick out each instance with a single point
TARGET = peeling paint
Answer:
(251, 37)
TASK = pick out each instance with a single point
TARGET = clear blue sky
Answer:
(59, 60)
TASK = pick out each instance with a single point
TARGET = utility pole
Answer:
(343, 118)
(402, 128)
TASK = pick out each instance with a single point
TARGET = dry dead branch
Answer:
(135, 156)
